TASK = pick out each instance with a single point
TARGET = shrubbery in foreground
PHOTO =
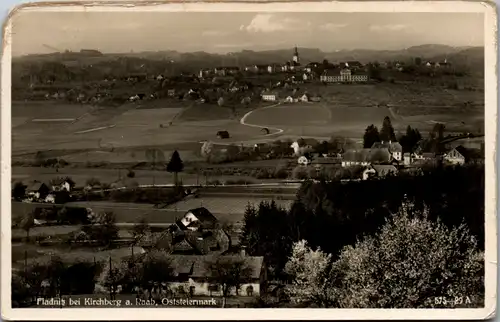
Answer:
(409, 263)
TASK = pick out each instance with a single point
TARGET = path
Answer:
(242, 121)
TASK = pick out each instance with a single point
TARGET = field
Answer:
(142, 177)
(121, 135)
(42, 254)
(318, 119)
(234, 207)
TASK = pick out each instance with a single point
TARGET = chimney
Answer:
(242, 251)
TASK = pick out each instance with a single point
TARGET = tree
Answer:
(140, 229)
(387, 131)
(410, 139)
(371, 136)
(228, 272)
(27, 223)
(113, 274)
(374, 71)
(19, 191)
(409, 263)
(309, 271)
(437, 131)
(418, 61)
(154, 269)
(175, 165)
(206, 149)
(103, 228)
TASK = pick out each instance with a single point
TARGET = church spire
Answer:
(296, 55)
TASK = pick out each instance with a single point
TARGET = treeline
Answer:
(332, 215)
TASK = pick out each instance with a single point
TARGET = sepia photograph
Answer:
(304, 156)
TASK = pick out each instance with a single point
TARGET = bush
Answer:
(409, 263)
(299, 173)
(280, 172)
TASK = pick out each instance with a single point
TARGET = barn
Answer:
(223, 135)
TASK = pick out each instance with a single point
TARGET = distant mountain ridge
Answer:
(469, 55)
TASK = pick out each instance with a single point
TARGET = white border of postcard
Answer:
(488, 311)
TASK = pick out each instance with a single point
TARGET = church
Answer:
(294, 64)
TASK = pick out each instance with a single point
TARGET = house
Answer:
(196, 219)
(273, 68)
(171, 92)
(461, 155)
(220, 71)
(365, 157)
(177, 241)
(205, 72)
(344, 75)
(311, 66)
(257, 68)
(269, 96)
(353, 64)
(290, 99)
(232, 70)
(394, 147)
(304, 98)
(160, 77)
(61, 184)
(38, 190)
(192, 275)
(407, 158)
(223, 135)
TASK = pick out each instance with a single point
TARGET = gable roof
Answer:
(367, 155)
(36, 186)
(468, 153)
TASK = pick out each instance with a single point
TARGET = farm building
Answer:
(365, 157)
(37, 190)
(223, 135)
(61, 184)
(344, 75)
(192, 274)
(197, 218)
(270, 96)
(311, 66)
(461, 155)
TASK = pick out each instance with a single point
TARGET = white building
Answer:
(270, 96)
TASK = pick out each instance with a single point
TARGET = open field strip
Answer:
(53, 120)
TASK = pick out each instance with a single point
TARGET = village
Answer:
(187, 215)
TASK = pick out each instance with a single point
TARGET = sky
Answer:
(222, 32)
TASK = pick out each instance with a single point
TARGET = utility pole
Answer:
(110, 279)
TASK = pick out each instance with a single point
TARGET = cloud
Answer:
(271, 23)
(214, 33)
(388, 27)
(332, 26)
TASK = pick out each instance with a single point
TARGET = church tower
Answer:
(296, 56)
